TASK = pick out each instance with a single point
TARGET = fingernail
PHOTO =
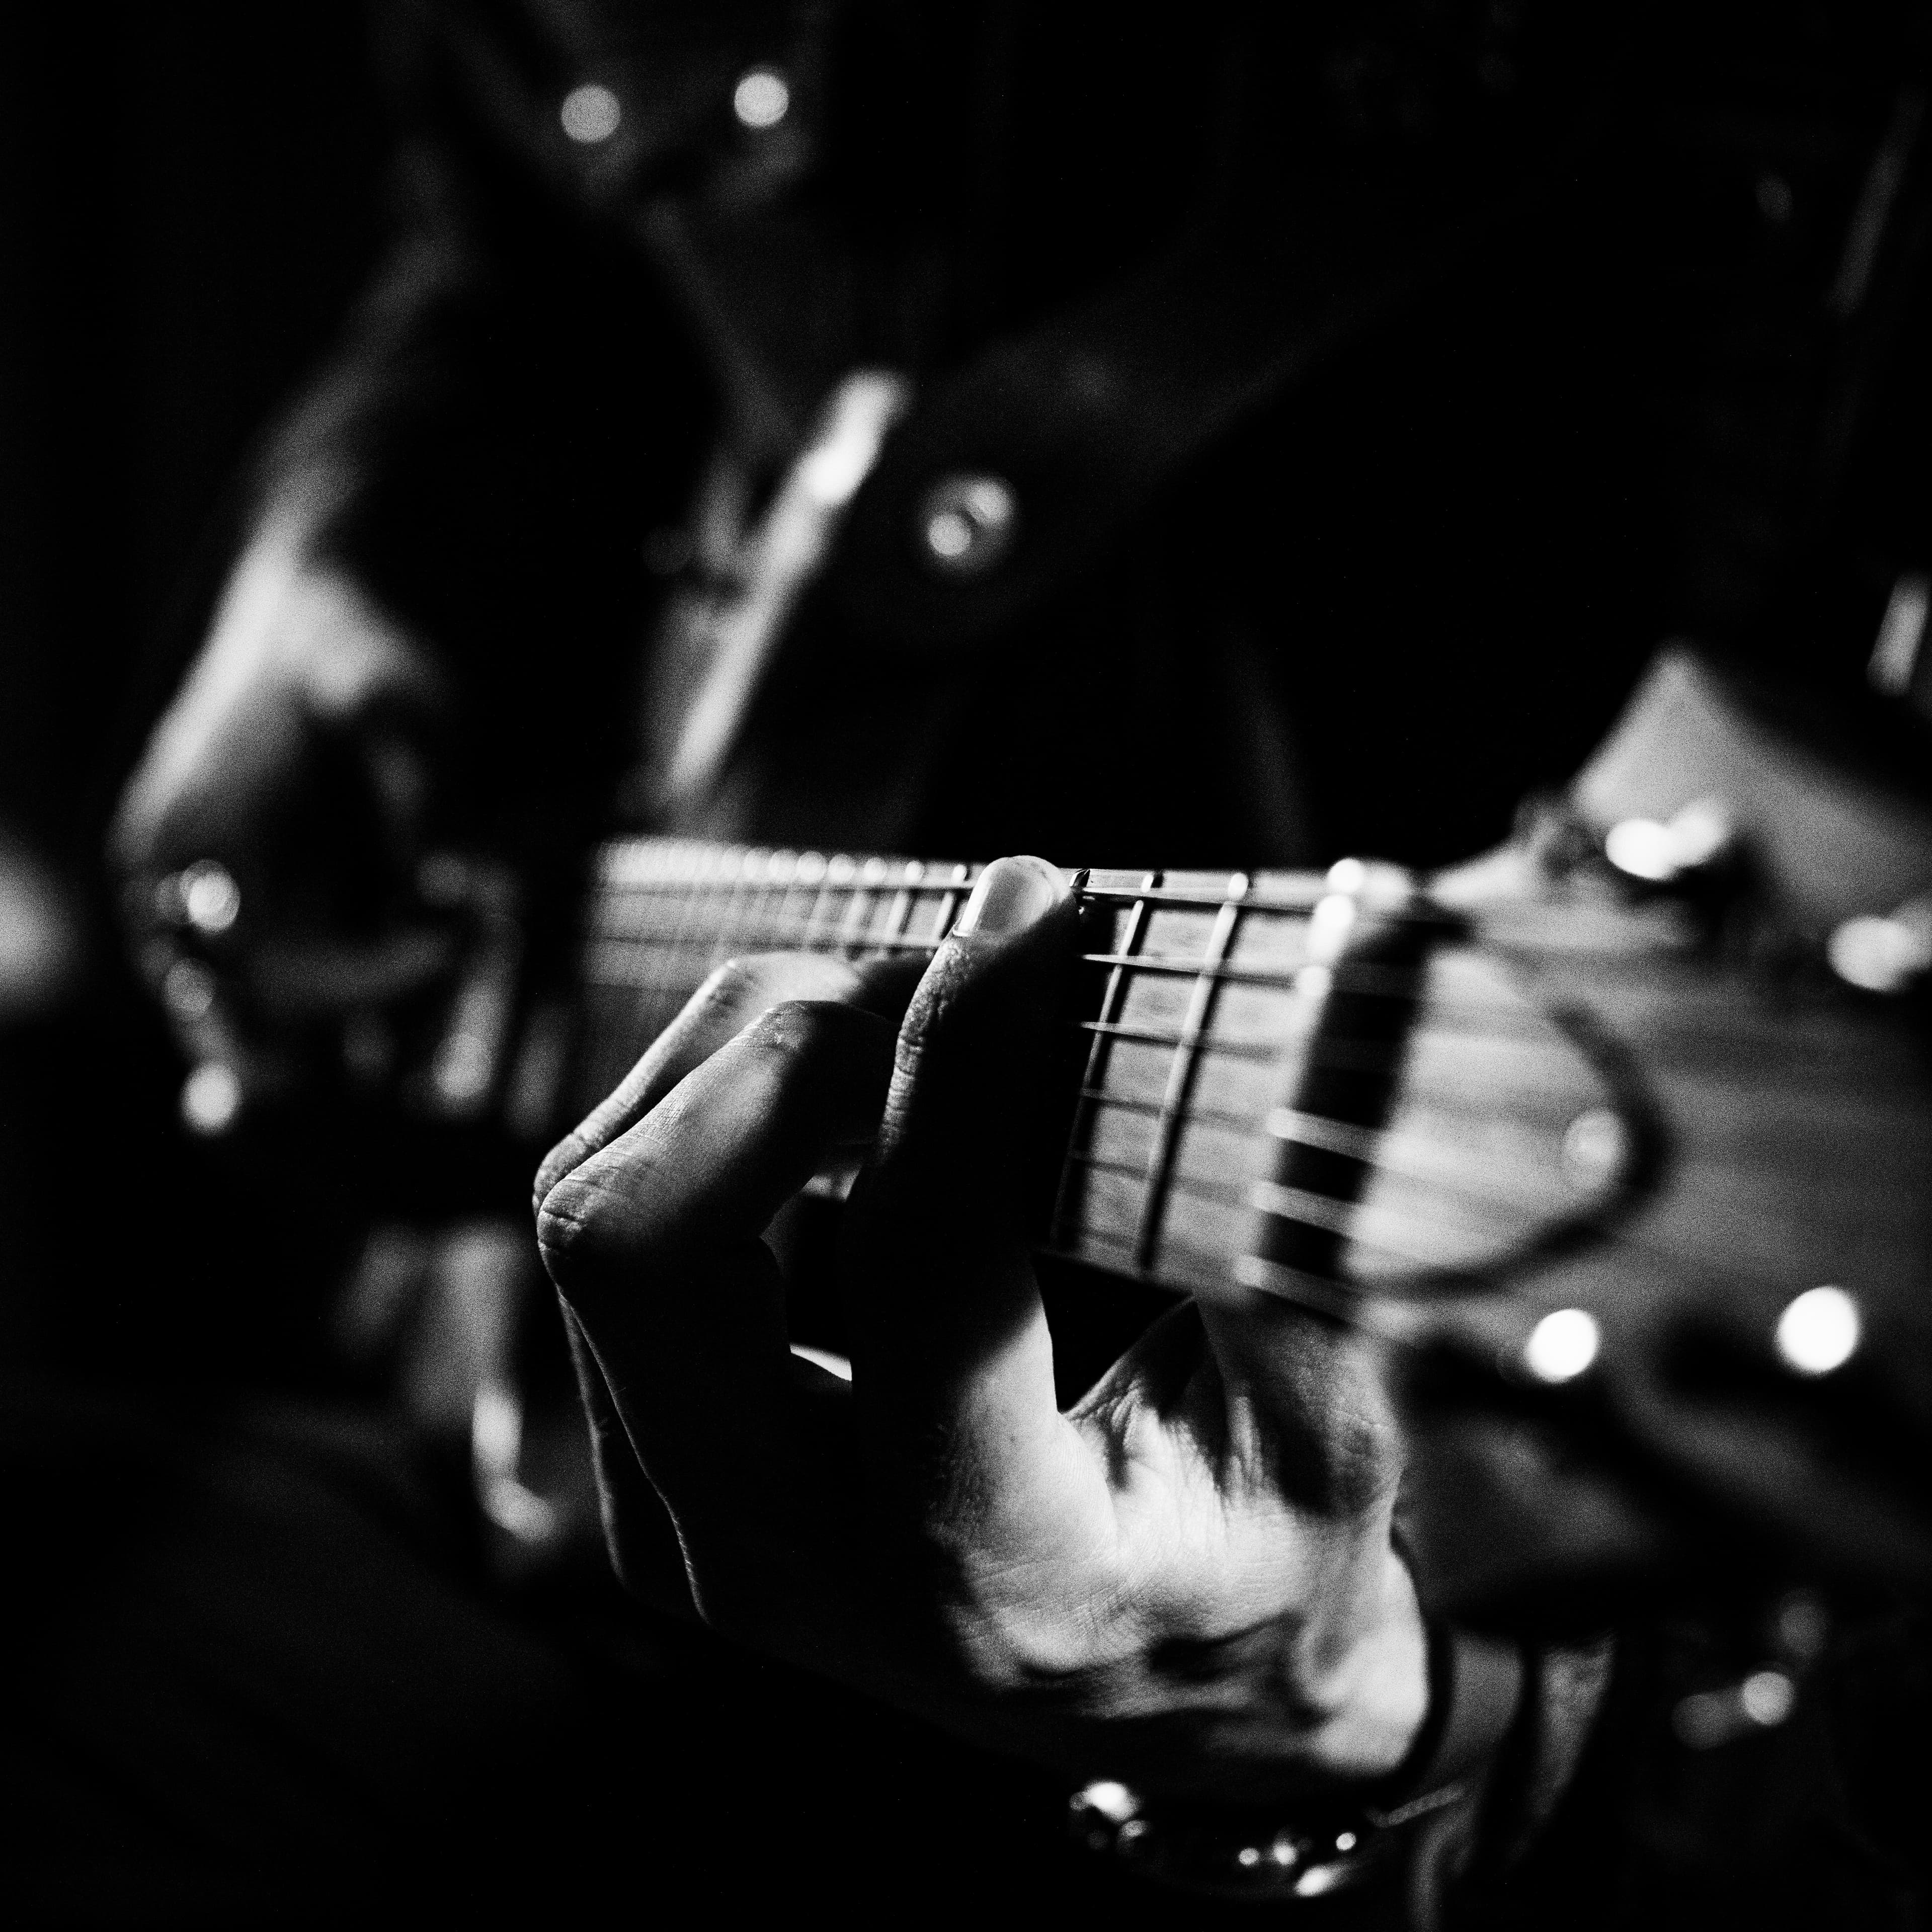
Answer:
(1011, 895)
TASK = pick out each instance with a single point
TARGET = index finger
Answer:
(730, 999)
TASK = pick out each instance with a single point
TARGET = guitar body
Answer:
(1773, 1087)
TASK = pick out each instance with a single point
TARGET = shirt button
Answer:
(966, 524)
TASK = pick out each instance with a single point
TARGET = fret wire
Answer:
(1302, 898)
(704, 906)
(692, 898)
(615, 954)
(726, 919)
(950, 902)
(1206, 1117)
(1476, 1197)
(1304, 1207)
(1239, 1049)
(1120, 1257)
(795, 888)
(777, 940)
(800, 935)
(1338, 1053)
(1180, 1185)
(645, 1014)
(1180, 1073)
(1384, 1310)
(769, 907)
(1398, 983)
(1288, 893)
(1341, 1301)
(820, 912)
(1390, 1153)
(608, 965)
(857, 910)
(901, 908)
(1096, 1053)
(793, 935)
(1383, 1152)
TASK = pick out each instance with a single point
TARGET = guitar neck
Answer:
(1232, 1080)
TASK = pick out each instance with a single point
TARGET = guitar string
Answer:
(1336, 1053)
(1463, 1192)
(734, 934)
(1370, 980)
(729, 935)
(1452, 1018)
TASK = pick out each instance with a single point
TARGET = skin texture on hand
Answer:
(1186, 1580)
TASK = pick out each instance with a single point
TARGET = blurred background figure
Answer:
(1634, 357)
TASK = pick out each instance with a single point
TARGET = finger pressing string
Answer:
(653, 1242)
(729, 1000)
(950, 1338)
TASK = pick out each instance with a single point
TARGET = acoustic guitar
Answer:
(1620, 1138)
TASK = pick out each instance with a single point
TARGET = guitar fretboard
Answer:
(1244, 1041)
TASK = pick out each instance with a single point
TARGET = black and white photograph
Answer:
(967, 965)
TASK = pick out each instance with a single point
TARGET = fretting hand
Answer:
(1187, 1580)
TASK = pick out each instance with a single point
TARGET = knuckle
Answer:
(729, 985)
(744, 984)
(789, 1031)
(562, 1229)
(584, 1225)
(562, 1160)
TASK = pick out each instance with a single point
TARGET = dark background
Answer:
(189, 200)
(189, 197)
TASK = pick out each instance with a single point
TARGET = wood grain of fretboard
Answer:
(1200, 1014)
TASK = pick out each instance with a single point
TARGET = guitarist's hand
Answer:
(1187, 1581)
(297, 764)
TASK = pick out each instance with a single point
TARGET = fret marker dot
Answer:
(1562, 1345)
(1348, 875)
(1818, 1331)
(1595, 1150)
